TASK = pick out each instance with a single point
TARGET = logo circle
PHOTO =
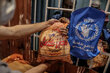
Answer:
(84, 34)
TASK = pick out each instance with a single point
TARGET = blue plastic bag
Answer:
(84, 31)
(106, 33)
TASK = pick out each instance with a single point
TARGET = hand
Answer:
(51, 22)
(105, 45)
(64, 20)
(64, 32)
(15, 57)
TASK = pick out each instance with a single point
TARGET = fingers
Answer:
(64, 32)
(64, 20)
(23, 62)
(64, 29)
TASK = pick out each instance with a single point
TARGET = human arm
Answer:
(42, 67)
(39, 69)
(19, 31)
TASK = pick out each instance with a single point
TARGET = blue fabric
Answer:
(84, 31)
(106, 33)
(57, 15)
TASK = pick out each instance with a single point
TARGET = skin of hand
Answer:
(64, 32)
(15, 57)
(51, 21)
(21, 31)
(64, 20)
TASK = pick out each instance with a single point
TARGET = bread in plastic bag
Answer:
(100, 60)
(53, 45)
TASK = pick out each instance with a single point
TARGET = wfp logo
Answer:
(87, 30)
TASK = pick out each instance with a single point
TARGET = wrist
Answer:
(44, 24)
